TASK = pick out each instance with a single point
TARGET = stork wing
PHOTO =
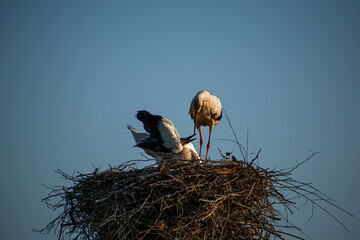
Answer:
(139, 137)
(216, 108)
(151, 123)
(169, 136)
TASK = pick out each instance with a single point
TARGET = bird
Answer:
(161, 139)
(205, 110)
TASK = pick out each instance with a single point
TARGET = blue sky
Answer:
(74, 73)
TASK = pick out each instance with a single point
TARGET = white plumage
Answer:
(205, 110)
(188, 153)
(169, 135)
(162, 140)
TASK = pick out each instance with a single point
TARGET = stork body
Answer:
(205, 110)
(162, 140)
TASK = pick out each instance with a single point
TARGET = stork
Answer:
(162, 140)
(205, 110)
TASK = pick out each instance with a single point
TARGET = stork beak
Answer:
(196, 118)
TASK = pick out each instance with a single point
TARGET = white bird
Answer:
(162, 140)
(205, 110)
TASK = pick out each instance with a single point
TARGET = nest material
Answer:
(226, 199)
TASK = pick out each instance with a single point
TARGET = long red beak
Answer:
(196, 118)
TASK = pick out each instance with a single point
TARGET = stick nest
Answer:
(227, 199)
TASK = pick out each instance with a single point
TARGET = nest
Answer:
(226, 199)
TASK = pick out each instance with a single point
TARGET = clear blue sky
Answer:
(73, 74)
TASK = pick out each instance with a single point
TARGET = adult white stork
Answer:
(162, 140)
(205, 110)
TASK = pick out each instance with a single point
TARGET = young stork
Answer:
(162, 140)
(205, 110)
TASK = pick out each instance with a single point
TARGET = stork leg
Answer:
(208, 144)
(201, 140)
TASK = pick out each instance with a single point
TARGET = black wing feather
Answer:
(151, 124)
(185, 140)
